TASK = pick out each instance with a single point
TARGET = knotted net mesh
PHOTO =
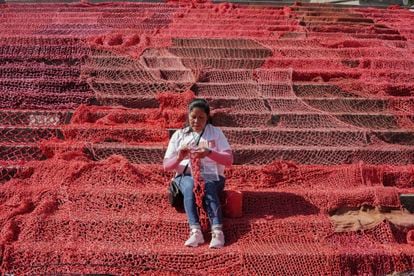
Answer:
(316, 101)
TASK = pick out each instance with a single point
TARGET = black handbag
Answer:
(175, 196)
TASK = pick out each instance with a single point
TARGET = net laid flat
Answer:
(316, 101)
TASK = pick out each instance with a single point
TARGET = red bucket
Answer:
(232, 204)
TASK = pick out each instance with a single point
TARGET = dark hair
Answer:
(203, 105)
(199, 103)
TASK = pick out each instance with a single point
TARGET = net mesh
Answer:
(317, 102)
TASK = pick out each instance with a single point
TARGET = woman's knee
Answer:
(211, 193)
(187, 186)
(210, 187)
(214, 187)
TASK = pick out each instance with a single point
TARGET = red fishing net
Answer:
(316, 101)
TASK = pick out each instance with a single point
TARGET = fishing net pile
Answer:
(316, 101)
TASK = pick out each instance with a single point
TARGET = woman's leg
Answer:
(212, 205)
(186, 185)
(212, 202)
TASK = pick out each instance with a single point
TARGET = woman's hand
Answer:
(201, 152)
(183, 153)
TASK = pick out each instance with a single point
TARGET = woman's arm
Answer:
(173, 162)
(224, 158)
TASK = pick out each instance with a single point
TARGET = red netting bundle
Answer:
(316, 101)
(199, 192)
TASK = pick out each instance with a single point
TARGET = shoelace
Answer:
(215, 235)
(193, 233)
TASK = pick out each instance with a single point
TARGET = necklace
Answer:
(196, 137)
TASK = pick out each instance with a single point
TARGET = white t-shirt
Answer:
(212, 138)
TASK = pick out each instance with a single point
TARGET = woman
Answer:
(215, 153)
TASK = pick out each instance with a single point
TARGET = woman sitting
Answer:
(215, 153)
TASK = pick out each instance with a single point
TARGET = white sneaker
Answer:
(196, 238)
(217, 239)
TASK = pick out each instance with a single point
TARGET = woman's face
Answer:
(197, 119)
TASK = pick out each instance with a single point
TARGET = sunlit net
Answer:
(316, 101)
